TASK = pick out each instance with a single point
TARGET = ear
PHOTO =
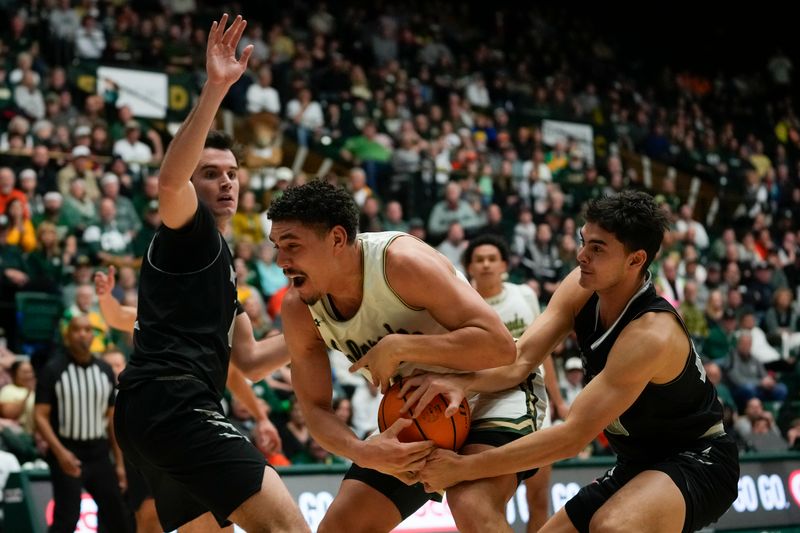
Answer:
(339, 236)
(637, 259)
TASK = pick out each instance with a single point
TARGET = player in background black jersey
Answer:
(169, 418)
(676, 468)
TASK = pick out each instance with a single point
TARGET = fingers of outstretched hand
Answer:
(232, 34)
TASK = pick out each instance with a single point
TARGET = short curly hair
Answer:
(319, 204)
(482, 240)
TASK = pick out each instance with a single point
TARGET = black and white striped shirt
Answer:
(79, 397)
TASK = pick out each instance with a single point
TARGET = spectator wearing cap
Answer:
(132, 150)
(572, 381)
(53, 204)
(79, 166)
(9, 192)
(28, 186)
(82, 136)
(127, 218)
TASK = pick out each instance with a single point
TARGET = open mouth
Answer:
(297, 279)
(225, 199)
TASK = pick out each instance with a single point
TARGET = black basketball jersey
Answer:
(187, 306)
(665, 417)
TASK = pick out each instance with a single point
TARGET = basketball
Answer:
(449, 433)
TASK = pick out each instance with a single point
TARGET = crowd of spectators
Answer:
(433, 118)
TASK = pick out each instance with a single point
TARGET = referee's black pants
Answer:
(99, 479)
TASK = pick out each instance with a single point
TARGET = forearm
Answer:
(333, 435)
(551, 383)
(536, 450)
(262, 357)
(112, 438)
(467, 348)
(243, 392)
(501, 378)
(115, 315)
(47, 433)
(185, 149)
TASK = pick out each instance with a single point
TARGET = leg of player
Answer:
(538, 496)
(649, 502)
(359, 508)
(272, 509)
(558, 523)
(480, 505)
(147, 518)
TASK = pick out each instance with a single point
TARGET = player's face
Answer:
(304, 255)
(601, 258)
(486, 265)
(216, 183)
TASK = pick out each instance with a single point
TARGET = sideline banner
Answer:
(769, 497)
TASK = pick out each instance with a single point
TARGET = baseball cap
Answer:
(27, 173)
(83, 131)
(81, 151)
(573, 363)
(284, 174)
(132, 125)
(109, 177)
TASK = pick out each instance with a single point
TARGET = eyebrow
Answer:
(284, 237)
(204, 167)
(592, 241)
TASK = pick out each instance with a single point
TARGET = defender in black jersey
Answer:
(169, 419)
(676, 468)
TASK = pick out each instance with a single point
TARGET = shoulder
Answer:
(654, 331)
(408, 255)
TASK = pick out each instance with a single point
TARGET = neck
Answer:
(489, 290)
(348, 293)
(613, 300)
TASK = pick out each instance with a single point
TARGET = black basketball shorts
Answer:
(193, 459)
(707, 475)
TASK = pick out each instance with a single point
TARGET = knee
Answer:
(473, 510)
(606, 519)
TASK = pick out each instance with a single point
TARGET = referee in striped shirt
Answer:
(74, 413)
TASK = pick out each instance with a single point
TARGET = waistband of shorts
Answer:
(717, 430)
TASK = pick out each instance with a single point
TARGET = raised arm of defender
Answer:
(176, 195)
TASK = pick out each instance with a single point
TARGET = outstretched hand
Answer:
(423, 388)
(221, 63)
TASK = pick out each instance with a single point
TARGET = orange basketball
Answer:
(432, 424)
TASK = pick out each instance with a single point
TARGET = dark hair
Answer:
(634, 218)
(220, 140)
(481, 240)
(15, 366)
(320, 204)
